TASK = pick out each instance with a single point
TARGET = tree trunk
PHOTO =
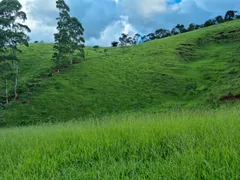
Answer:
(16, 80)
(6, 92)
(15, 68)
(71, 60)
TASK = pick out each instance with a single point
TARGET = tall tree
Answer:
(193, 27)
(230, 15)
(63, 44)
(210, 22)
(219, 19)
(125, 40)
(151, 36)
(69, 38)
(76, 32)
(161, 33)
(181, 28)
(135, 38)
(174, 31)
(14, 31)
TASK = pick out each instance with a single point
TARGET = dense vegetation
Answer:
(196, 144)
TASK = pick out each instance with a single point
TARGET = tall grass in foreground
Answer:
(202, 144)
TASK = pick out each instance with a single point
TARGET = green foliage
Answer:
(62, 38)
(230, 15)
(161, 33)
(210, 22)
(125, 40)
(69, 38)
(96, 47)
(76, 33)
(181, 28)
(189, 144)
(174, 31)
(12, 34)
(114, 44)
(193, 27)
(219, 19)
(151, 36)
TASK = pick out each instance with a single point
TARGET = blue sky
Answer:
(105, 20)
(174, 2)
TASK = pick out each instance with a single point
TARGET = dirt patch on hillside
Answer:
(231, 98)
(188, 44)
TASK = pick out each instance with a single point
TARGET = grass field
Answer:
(151, 111)
(187, 70)
(189, 144)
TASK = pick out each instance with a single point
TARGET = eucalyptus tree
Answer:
(76, 31)
(62, 39)
(181, 28)
(69, 38)
(151, 36)
(13, 34)
(135, 38)
(219, 19)
(125, 40)
(174, 31)
(210, 22)
(161, 33)
(230, 15)
(192, 27)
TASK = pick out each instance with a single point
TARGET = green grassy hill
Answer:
(188, 70)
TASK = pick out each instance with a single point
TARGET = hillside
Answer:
(188, 70)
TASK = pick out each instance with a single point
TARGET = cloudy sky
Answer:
(105, 20)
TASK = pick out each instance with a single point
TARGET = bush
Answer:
(115, 44)
(191, 88)
(96, 47)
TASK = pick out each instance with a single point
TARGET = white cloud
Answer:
(149, 7)
(113, 32)
(145, 8)
(103, 22)
(41, 16)
(218, 5)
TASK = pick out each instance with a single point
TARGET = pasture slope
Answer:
(201, 67)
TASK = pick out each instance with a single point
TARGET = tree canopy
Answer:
(69, 38)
